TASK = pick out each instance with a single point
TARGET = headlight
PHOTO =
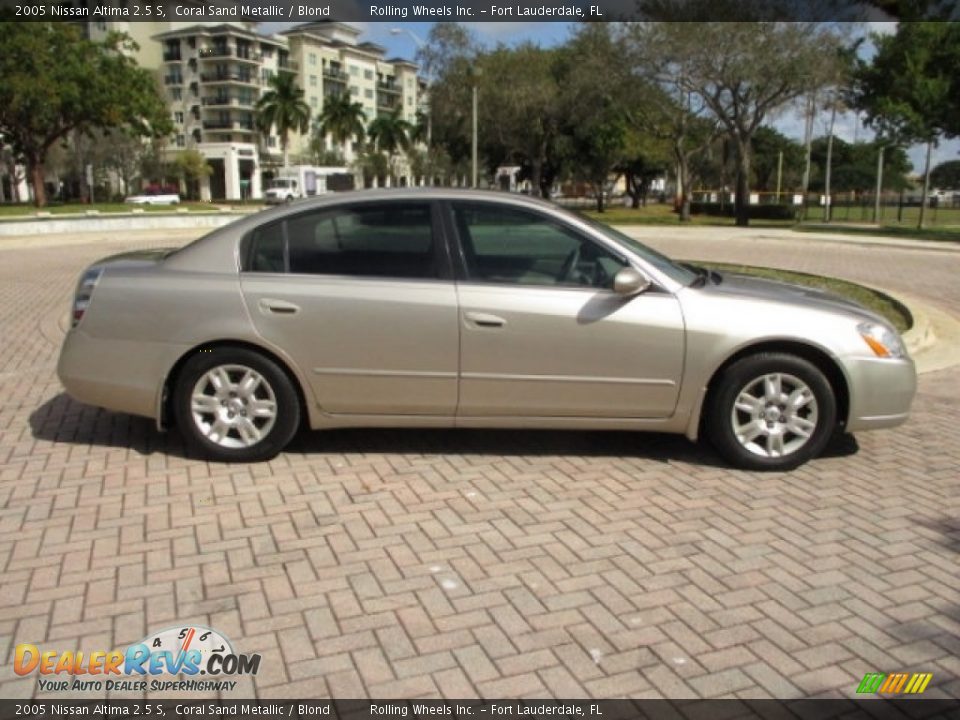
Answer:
(883, 340)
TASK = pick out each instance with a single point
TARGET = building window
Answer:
(354, 90)
(313, 58)
(313, 81)
(368, 93)
(176, 93)
(368, 74)
(178, 118)
(267, 73)
(313, 102)
(181, 141)
(354, 70)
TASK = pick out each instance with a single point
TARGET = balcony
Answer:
(389, 87)
(172, 56)
(218, 53)
(230, 78)
(214, 52)
(173, 80)
(228, 101)
(389, 102)
(288, 66)
(231, 126)
(335, 75)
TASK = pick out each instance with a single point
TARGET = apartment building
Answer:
(334, 61)
(213, 74)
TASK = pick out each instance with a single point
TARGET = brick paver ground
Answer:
(437, 563)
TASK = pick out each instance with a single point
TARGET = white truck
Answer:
(300, 181)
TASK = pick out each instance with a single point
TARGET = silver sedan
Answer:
(446, 308)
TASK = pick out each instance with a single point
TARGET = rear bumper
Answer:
(119, 375)
(881, 392)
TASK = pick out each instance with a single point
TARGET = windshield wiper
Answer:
(703, 274)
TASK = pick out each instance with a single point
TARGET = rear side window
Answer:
(266, 249)
(370, 240)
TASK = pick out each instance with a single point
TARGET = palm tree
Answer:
(283, 107)
(341, 119)
(390, 133)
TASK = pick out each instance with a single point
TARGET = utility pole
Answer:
(876, 200)
(807, 142)
(826, 179)
(779, 174)
(473, 138)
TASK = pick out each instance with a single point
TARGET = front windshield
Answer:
(661, 262)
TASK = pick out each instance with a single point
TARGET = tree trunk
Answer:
(742, 198)
(286, 156)
(926, 186)
(683, 180)
(35, 168)
(599, 191)
(535, 176)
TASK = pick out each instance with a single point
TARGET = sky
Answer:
(789, 121)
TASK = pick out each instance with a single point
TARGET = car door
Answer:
(542, 332)
(361, 297)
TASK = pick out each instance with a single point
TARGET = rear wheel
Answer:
(235, 405)
(771, 411)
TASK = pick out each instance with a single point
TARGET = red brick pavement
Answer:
(394, 563)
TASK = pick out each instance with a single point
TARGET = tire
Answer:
(235, 405)
(771, 411)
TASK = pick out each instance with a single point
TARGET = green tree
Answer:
(521, 112)
(663, 104)
(946, 175)
(594, 113)
(910, 89)
(191, 167)
(390, 135)
(768, 144)
(282, 107)
(53, 81)
(448, 59)
(854, 166)
(341, 119)
(742, 72)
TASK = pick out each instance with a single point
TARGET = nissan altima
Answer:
(453, 308)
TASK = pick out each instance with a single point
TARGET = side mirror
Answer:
(629, 282)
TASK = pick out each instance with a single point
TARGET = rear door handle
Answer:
(485, 320)
(278, 307)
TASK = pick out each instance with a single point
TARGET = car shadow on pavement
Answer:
(63, 420)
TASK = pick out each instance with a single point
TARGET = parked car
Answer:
(154, 199)
(452, 308)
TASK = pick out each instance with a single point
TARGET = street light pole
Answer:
(473, 138)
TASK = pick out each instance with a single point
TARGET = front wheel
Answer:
(235, 405)
(771, 411)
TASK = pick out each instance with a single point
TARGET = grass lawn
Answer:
(943, 224)
(942, 234)
(871, 299)
(23, 210)
(662, 214)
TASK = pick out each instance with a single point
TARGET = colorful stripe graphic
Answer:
(893, 683)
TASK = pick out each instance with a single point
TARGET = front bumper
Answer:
(881, 391)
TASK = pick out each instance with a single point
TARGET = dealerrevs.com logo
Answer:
(185, 651)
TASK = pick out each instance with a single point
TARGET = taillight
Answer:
(81, 300)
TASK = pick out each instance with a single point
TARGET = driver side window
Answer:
(513, 246)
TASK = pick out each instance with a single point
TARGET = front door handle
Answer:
(278, 307)
(485, 320)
